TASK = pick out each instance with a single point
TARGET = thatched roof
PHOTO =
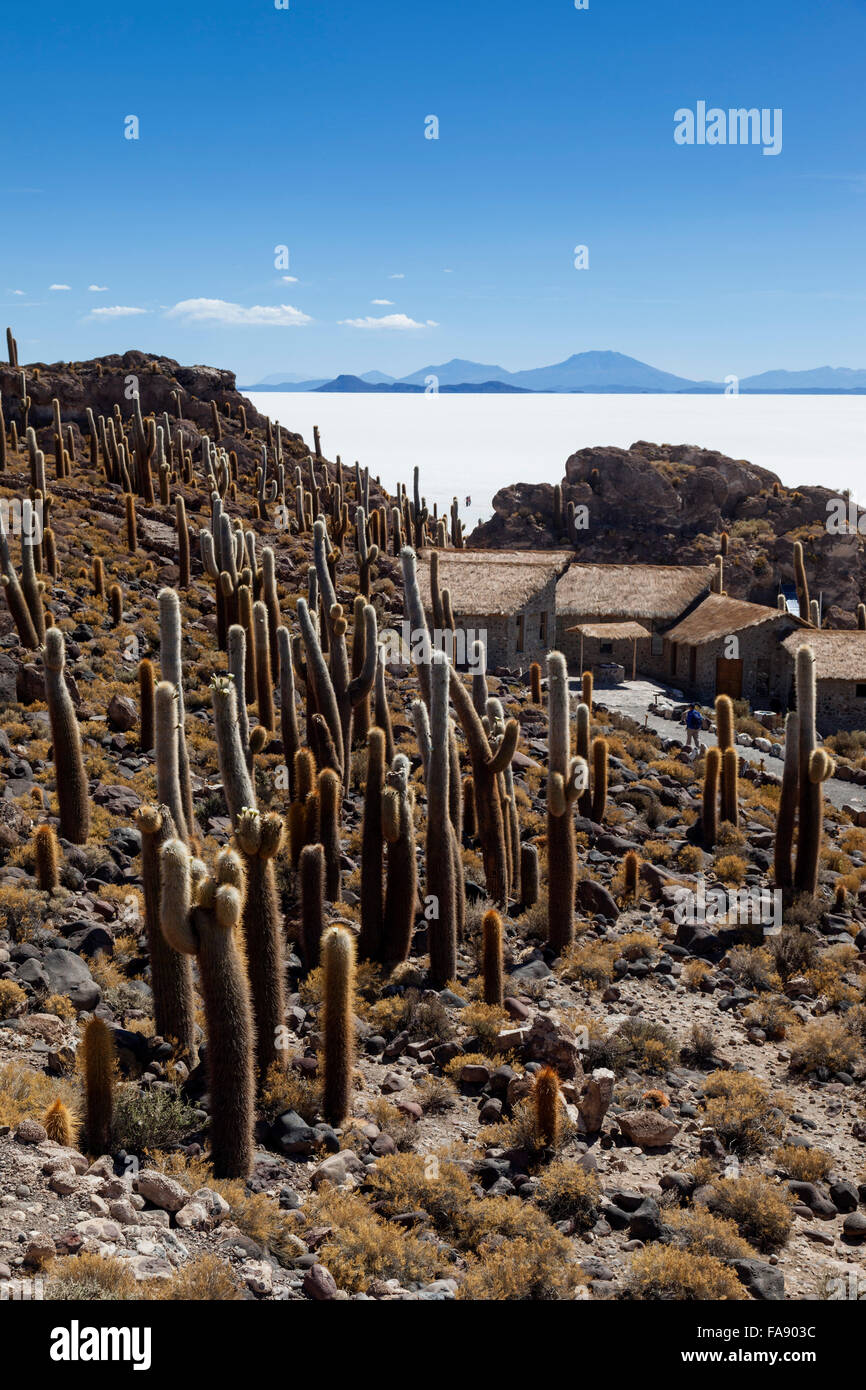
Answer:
(647, 592)
(839, 655)
(718, 616)
(611, 632)
(492, 581)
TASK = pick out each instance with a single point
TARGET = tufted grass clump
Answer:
(664, 1272)
(89, 1279)
(148, 1120)
(362, 1246)
(825, 1043)
(745, 1114)
(206, 1279)
(760, 1210)
(703, 1233)
(804, 1165)
(566, 1192)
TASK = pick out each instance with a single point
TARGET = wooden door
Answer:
(729, 677)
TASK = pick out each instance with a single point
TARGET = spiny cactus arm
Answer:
(470, 721)
(237, 782)
(237, 654)
(499, 760)
(323, 572)
(362, 684)
(417, 619)
(326, 699)
(167, 755)
(176, 877)
(422, 733)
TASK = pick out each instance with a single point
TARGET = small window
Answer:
(861, 692)
(606, 648)
(520, 632)
(542, 627)
(657, 644)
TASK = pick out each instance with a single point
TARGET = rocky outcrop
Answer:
(668, 504)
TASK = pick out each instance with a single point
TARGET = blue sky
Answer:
(305, 127)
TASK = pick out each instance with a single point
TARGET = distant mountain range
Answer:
(591, 372)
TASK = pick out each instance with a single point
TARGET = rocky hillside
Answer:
(325, 981)
(669, 504)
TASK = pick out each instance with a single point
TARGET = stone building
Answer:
(727, 646)
(653, 596)
(503, 598)
(840, 675)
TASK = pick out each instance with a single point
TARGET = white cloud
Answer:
(97, 289)
(115, 311)
(16, 291)
(222, 311)
(448, 270)
(382, 301)
(388, 321)
(289, 279)
(398, 276)
(58, 287)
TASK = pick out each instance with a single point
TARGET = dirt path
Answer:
(633, 698)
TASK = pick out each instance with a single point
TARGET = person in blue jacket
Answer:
(694, 722)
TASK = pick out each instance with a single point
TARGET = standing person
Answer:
(694, 722)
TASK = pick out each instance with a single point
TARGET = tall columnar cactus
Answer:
(311, 871)
(806, 691)
(115, 604)
(730, 808)
(861, 616)
(441, 886)
(259, 839)
(528, 876)
(99, 1069)
(566, 779)
(45, 853)
(535, 683)
(15, 598)
(583, 748)
(801, 583)
(372, 851)
(182, 543)
(631, 872)
(545, 1101)
(401, 882)
(724, 722)
(330, 798)
(338, 964)
(167, 774)
(821, 766)
(288, 708)
(599, 778)
(710, 798)
(171, 668)
(264, 688)
(788, 799)
(487, 765)
(131, 524)
(381, 712)
(318, 677)
(200, 913)
(586, 690)
(171, 974)
(146, 704)
(491, 957)
(237, 663)
(364, 660)
(72, 789)
(236, 779)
